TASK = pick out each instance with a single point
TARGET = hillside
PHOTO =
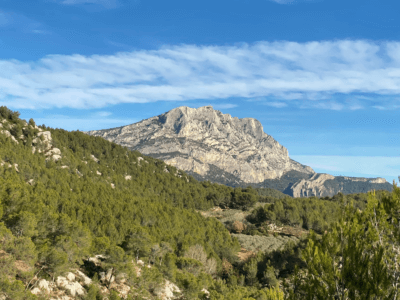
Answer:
(217, 147)
(70, 202)
(84, 218)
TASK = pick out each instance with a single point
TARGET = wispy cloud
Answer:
(105, 3)
(283, 71)
(9, 19)
(224, 106)
(276, 104)
(290, 1)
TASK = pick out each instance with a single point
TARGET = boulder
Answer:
(86, 280)
(61, 281)
(166, 292)
(44, 285)
(71, 276)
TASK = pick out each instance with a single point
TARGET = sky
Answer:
(322, 76)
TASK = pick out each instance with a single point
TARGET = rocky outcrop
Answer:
(321, 185)
(195, 140)
(313, 186)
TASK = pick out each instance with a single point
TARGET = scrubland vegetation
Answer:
(99, 198)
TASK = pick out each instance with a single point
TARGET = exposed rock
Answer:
(71, 276)
(75, 288)
(128, 177)
(140, 262)
(35, 291)
(193, 139)
(107, 277)
(166, 292)
(61, 281)
(123, 290)
(44, 285)
(46, 136)
(97, 259)
(98, 173)
(113, 185)
(321, 185)
(64, 167)
(8, 134)
(313, 186)
(86, 280)
(94, 158)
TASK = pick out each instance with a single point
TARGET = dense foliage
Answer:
(100, 198)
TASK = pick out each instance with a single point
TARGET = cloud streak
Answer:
(282, 70)
(105, 3)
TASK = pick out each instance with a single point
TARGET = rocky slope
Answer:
(218, 147)
(197, 140)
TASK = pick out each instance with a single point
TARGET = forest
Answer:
(99, 198)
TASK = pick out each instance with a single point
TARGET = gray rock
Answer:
(196, 139)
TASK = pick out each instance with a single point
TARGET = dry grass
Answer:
(245, 255)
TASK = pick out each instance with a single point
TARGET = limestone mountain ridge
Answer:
(210, 145)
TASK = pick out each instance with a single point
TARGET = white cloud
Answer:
(276, 104)
(280, 70)
(224, 105)
(103, 113)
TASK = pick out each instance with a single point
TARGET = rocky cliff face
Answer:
(204, 140)
(214, 146)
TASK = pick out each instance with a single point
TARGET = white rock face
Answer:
(313, 186)
(86, 280)
(35, 291)
(46, 135)
(8, 134)
(61, 281)
(167, 291)
(71, 276)
(74, 288)
(196, 139)
(44, 285)
(94, 158)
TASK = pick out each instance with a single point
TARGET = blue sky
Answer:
(323, 77)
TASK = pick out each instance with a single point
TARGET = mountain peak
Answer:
(202, 140)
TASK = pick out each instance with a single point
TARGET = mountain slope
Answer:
(213, 146)
(196, 140)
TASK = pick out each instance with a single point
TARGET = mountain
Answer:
(210, 145)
